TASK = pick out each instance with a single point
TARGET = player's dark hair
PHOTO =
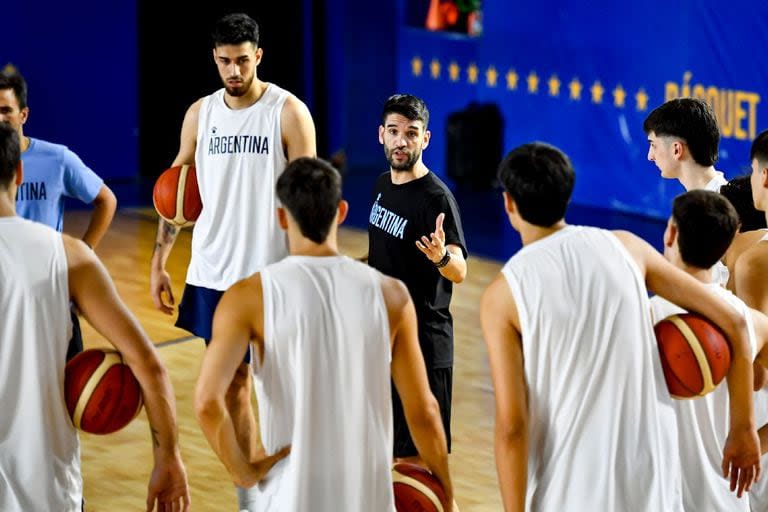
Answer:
(706, 224)
(739, 192)
(14, 81)
(759, 149)
(236, 28)
(539, 178)
(408, 106)
(691, 120)
(310, 189)
(10, 154)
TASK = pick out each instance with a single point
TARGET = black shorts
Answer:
(76, 342)
(441, 384)
(196, 311)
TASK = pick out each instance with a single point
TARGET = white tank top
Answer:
(238, 159)
(716, 183)
(602, 427)
(703, 428)
(39, 447)
(324, 387)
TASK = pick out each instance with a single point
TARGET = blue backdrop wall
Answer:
(584, 76)
(80, 63)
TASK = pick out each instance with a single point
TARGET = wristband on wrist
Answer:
(444, 260)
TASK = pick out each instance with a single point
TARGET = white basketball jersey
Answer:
(324, 387)
(703, 428)
(716, 183)
(602, 433)
(758, 495)
(720, 274)
(39, 447)
(238, 159)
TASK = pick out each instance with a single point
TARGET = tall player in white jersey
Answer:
(327, 333)
(583, 417)
(701, 228)
(41, 270)
(240, 139)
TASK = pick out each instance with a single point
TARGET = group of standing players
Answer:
(352, 363)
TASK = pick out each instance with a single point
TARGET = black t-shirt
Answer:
(401, 215)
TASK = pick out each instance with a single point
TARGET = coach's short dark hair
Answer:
(539, 177)
(706, 224)
(691, 120)
(235, 29)
(310, 189)
(408, 106)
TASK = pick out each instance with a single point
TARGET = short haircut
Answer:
(706, 224)
(235, 29)
(739, 192)
(759, 149)
(10, 154)
(408, 106)
(14, 81)
(691, 120)
(540, 179)
(310, 189)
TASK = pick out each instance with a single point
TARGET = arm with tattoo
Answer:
(160, 280)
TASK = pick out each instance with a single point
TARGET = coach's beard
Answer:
(407, 165)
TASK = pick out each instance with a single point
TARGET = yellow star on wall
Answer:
(491, 75)
(575, 87)
(512, 78)
(642, 100)
(434, 69)
(597, 91)
(533, 82)
(472, 73)
(416, 65)
(453, 71)
(554, 85)
(619, 95)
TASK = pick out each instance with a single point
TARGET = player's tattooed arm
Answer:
(155, 439)
(166, 235)
(160, 280)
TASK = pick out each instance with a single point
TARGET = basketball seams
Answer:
(110, 359)
(399, 478)
(180, 195)
(698, 352)
(176, 196)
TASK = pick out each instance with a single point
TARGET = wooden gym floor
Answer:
(116, 467)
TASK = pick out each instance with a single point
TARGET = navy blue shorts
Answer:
(196, 311)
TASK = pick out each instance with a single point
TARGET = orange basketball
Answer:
(101, 392)
(695, 354)
(416, 489)
(176, 196)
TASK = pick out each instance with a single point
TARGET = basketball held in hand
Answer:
(176, 196)
(416, 489)
(695, 354)
(101, 392)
